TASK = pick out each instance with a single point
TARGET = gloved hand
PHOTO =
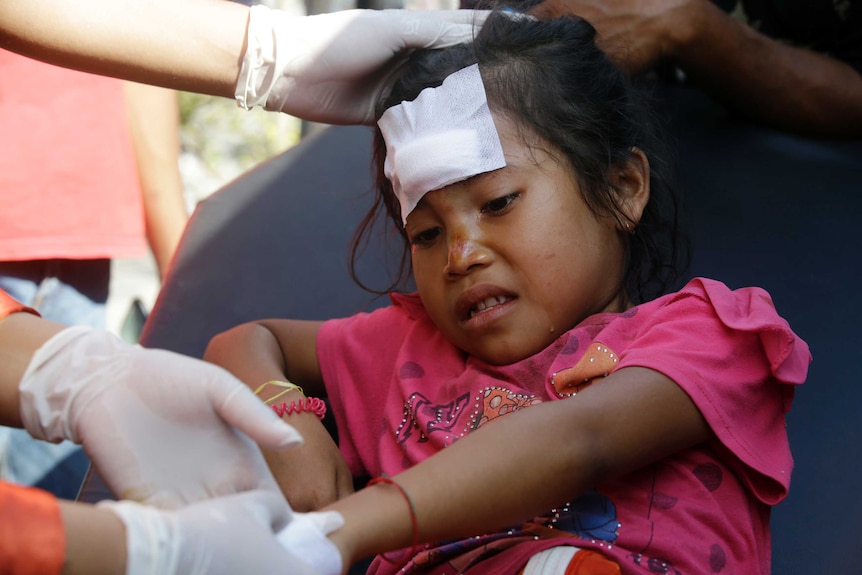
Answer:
(332, 68)
(159, 427)
(225, 536)
(306, 537)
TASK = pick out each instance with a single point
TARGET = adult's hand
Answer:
(160, 427)
(779, 84)
(224, 536)
(332, 67)
(637, 35)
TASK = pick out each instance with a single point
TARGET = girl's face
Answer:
(507, 261)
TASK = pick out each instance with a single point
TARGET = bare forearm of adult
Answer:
(539, 457)
(789, 88)
(313, 474)
(95, 540)
(191, 45)
(786, 87)
(154, 126)
(21, 334)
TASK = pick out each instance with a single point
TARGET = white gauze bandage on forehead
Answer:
(444, 136)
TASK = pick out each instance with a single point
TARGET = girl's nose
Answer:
(465, 255)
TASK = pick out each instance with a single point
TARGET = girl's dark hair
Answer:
(550, 77)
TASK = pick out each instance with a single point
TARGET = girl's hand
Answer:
(314, 474)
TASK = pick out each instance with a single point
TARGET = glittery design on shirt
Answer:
(598, 361)
(451, 421)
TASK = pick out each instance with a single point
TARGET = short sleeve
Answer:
(8, 306)
(352, 351)
(32, 540)
(739, 361)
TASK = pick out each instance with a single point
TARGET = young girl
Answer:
(531, 408)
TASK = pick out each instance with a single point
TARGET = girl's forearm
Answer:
(452, 493)
(524, 464)
(190, 45)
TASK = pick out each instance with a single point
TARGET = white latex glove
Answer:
(332, 68)
(306, 537)
(159, 427)
(231, 535)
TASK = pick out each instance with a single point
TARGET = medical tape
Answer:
(444, 136)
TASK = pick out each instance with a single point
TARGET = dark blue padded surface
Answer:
(272, 244)
(767, 209)
(784, 213)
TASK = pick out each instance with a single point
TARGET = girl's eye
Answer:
(425, 237)
(501, 204)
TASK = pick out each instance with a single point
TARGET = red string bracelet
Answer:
(311, 404)
(415, 522)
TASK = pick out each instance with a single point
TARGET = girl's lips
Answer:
(487, 304)
(482, 304)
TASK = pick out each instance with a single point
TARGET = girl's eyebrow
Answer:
(489, 177)
(508, 170)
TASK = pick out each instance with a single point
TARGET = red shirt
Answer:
(68, 178)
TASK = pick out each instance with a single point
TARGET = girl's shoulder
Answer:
(707, 312)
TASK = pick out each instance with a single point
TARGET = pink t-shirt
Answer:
(68, 178)
(401, 392)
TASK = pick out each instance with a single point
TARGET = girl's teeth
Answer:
(486, 303)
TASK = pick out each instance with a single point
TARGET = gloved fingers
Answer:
(266, 508)
(224, 536)
(306, 536)
(167, 455)
(438, 28)
(243, 410)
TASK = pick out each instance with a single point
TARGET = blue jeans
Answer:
(71, 292)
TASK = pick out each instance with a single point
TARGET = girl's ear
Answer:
(631, 184)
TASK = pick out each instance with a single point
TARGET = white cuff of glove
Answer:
(306, 536)
(263, 61)
(47, 397)
(150, 541)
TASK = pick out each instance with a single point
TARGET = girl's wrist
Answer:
(342, 543)
(278, 390)
(377, 520)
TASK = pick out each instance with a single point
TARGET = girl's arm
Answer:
(315, 473)
(526, 463)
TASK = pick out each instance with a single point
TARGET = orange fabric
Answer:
(8, 306)
(587, 562)
(32, 540)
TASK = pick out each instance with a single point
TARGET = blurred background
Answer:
(219, 142)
